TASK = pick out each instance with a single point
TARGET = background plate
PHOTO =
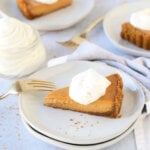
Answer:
(112, 27)
(57, 20)
(73, 127)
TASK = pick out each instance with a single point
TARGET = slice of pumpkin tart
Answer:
(108, 105)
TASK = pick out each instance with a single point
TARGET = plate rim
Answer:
(50, 140)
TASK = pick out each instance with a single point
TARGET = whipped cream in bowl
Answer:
(141, 19)
(21, 50)
(86, 87)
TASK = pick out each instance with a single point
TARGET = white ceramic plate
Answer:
(73, 127)
(112, 27)
(57, 20)
(77, 147)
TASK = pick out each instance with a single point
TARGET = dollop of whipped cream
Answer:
(86, 87)
(21, 51)
(47, 1)
(141, 19)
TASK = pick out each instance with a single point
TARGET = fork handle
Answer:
(91, 26)
(4, 95)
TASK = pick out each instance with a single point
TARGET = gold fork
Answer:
(75, 41)
(24, 85)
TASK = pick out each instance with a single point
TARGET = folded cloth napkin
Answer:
(138, 68)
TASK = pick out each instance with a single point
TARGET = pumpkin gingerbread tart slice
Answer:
(108, 105)
(140, 38)
(32, 8)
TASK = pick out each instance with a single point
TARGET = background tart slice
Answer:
(140, 38)
(32, 9)
(108, 105)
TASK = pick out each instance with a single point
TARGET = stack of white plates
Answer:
(74, 130)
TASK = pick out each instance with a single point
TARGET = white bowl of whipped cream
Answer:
(21, 50)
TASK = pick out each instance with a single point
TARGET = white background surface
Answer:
(13, 135)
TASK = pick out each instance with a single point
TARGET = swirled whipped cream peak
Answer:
(47, 1)
(141, 19)
(86, 87)
(21, 51)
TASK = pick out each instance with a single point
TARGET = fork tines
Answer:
(69, 44)
(42, 85)
(36, 84)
